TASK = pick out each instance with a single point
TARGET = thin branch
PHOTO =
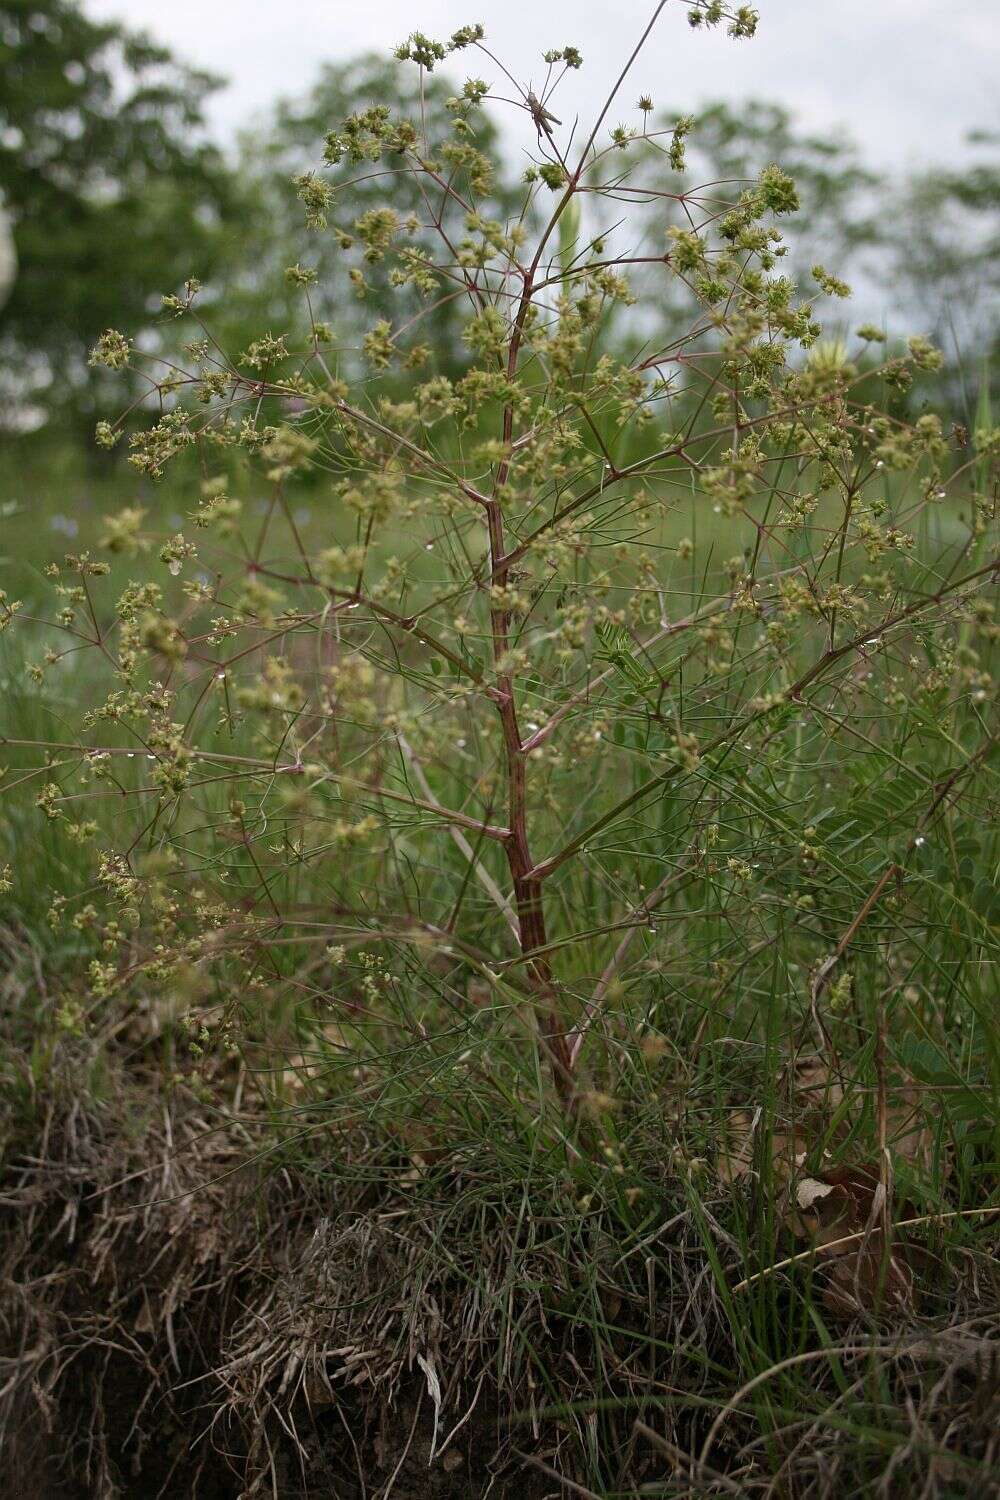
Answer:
(482, 875)
(642, 911)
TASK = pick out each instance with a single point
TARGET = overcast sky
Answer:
(909, 77)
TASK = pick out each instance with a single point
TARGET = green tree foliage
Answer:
(696, 164)
(113, 193)
(284, 156)
(838, 193)
(925, 245)
(946, 244)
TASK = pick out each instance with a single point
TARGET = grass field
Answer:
(329, 1205)
(499, 854)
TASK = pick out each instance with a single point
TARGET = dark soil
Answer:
(166, 1335)
(176, 1321)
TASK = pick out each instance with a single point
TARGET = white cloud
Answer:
(909, 77)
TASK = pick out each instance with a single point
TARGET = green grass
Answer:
(601, 1268)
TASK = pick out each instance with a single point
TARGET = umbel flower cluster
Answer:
(591, 572)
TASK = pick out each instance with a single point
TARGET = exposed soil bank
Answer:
(179, 1319)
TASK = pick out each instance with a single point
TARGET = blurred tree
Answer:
(8, 256)
(945, 264)
(725, 147)
(926, 246)
(113, 194)
(923, 249)
(290, 143)
(840, 198)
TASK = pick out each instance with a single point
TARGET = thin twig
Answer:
(579, 1031)
(678, 1457)
(482, 875)
(860, 1234)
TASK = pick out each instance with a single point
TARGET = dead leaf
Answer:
(809, 1190)
(317, 1390)
(737, 1152)
(909, 1136)
(816, 1097)
(814, 1087)
(144, 1322)
(859, 1284)
(840, 1213)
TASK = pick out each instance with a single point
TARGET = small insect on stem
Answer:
(541, 116)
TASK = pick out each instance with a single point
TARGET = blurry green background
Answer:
(118, 181)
